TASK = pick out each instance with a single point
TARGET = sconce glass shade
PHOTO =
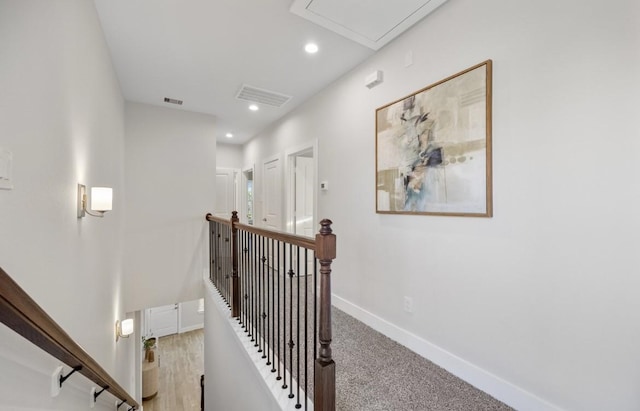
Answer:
(127, 327)
(101, 198)
(124, 328)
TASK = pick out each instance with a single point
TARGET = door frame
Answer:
(289, 185)
(243, 194)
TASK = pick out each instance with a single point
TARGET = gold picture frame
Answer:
(433, 148)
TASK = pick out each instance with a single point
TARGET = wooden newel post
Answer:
(325, 368)
(235, 283)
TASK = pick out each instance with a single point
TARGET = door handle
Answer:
(264, 219)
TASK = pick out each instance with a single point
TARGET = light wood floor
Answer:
(181, 364)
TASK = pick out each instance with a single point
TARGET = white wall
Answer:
(229, 156)
(170, 165)
(537, 305)
(190, 318)
(62, 116)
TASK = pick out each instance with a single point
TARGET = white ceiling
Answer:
(204, 51)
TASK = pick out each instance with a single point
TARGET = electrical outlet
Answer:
(408, 304)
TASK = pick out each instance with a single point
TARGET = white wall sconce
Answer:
(124, 328)
(101, 201)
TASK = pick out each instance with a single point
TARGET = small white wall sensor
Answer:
(373, 79)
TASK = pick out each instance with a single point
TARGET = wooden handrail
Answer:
(305, 242)
(211, 217)
(23, 315)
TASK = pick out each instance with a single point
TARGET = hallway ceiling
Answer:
(204, 52)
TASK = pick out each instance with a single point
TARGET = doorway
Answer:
(247, 201)
(301, 190)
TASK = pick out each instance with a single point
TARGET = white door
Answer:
(303, 207)
(272, 195)
(162, 321)
(225, 201)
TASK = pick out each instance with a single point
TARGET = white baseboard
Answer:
(493, 385)
(191, 328)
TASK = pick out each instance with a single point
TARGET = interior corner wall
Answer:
(537, 305)
(229, 156)
(170, 161)
(62, 117)
(190, 316)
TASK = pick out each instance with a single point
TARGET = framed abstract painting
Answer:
(433, 148)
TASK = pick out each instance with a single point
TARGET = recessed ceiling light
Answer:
(253, 107)
(311, 48)
(228, 135)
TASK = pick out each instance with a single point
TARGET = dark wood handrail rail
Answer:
(211, 217)
(22, 314)
(306, 242)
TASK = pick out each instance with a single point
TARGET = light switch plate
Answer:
(6, 160)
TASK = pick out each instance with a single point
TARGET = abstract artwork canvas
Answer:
(433, 148)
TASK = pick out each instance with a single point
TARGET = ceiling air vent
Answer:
(262, 96)
(173, 101)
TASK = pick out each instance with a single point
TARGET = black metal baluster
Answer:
(219, 267)
(252, 297)
(298, 327)
(284, 318)
(239, 273)
(273, 272)
(247, 286)
(218, 262)
(279, 312)
(223, 267)
(263, 340)
(259, 312)
(229, 269)
(221, 262)
(255, 288)
(306, 326)
(214, 242)
(244, 285)
(211, 244)
(291, 343)
(225, 264)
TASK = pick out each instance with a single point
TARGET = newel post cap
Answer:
(326, 241)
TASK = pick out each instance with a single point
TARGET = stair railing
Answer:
(23, 315)
(269, 280)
